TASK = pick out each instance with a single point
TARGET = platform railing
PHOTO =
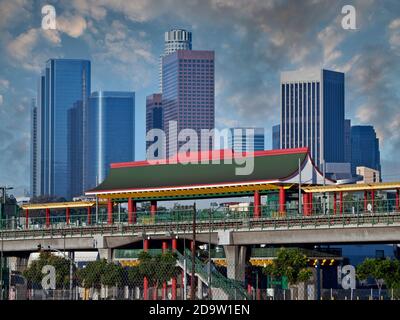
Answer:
(350, 212)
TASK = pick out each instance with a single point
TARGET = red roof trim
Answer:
(213, 155)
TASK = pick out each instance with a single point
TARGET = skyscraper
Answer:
(64, 81)
(111, 133)
(34, 189)
(276, 137)
(347, 141)
(175, 39)
(312, 113)
(154, 114)
(364, 148)
(247, 139)
(188, 93)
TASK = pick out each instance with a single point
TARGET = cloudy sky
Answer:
(254, 40)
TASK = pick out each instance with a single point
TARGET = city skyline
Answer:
(250, 99)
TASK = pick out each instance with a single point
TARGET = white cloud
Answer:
(4, 84)
(13, 12)
(330, 38)
(1, 99)
(21, 47)
(394, 35)
(74, 26)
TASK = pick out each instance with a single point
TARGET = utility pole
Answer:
(192, 282)
(300, 200)
(209, 257)
(3, 207)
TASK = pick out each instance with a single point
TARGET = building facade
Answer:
(368, 175)
(174, 40)
(110, 134)
(347, 141)
(154, 115)
(365, 148)
(34, 176)
(188, 97)
(276, 137)
(246, 139)
(312, 113)
(63, 82)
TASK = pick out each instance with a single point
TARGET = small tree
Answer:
(290, 263)
(383, 271)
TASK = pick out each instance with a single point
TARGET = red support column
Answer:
(282, 200)
(373, 200)
(67, 215)
(131, 211)
(365, 201)
(173, 293)
(145, 280)
(164, 285)
(341, 202)
(153, 208)
(257, 201)
(89, 218)
(306, 207)
(334, 203)
(110, 211)
(47, 217)
(398, 200)
(26, 219)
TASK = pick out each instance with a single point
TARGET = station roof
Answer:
(168, 179)
(352, 187)
(58, 205)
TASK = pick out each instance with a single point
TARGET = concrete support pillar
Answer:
(26, 219)
(47, 217)
(282, 200)
(341, 202)
(105, 253)
(334, 203)
(153, 208)
(89, 214)
(257, 204)
(398, 200)
(236, 262)
(109, 211)
(145, 280)
(174, 282)
(67, 216)
(131, 211)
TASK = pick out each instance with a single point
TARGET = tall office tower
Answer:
(64, 81)
(154, 116)
(246, 139)
(75, 149)
(188, 94)
(34, 151)
(111, 133)
(347, 141)
(276, 137)
(175, 39)
(364, 148)
(312, 113)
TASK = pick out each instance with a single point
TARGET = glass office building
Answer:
(63, 82)
(276, 137)
(34, 176)
(188, 93)
(364, 148)
(110, 133)
(154, 115)
(312, 113)
(246, 139)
